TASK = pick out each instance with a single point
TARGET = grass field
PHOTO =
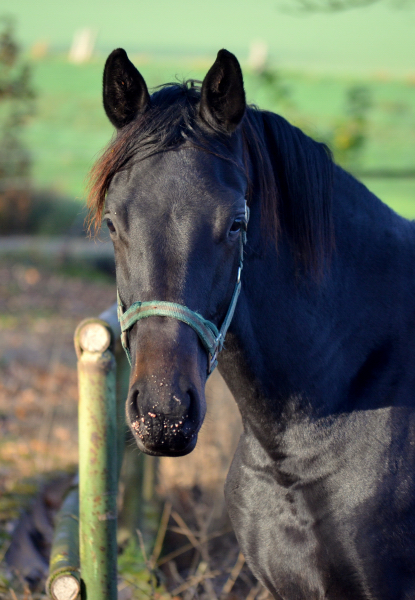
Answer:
(70, 127)
(374, 38)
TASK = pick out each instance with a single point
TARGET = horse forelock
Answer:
(287, 171)
(171, 121)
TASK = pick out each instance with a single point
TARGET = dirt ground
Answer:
(40, 306)
(39, 310)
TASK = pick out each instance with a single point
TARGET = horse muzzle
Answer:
(165, 418)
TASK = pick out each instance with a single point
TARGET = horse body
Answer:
(323, 479)
(320, 355)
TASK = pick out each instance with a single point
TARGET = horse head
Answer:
(172, 190)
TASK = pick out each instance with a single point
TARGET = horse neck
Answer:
(298, 345)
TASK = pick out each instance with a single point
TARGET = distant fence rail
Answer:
(386, 173)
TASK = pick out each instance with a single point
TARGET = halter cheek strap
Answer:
(212, 339)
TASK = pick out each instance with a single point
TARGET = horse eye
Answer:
(236, 226)
(110, 226)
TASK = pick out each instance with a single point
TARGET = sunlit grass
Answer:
(399, 194)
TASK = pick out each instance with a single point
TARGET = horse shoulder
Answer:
(274, 527)
(310, 522)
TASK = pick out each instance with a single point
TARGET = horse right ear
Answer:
(222, 101)
(125, 92)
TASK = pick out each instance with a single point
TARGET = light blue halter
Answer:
(211, 338)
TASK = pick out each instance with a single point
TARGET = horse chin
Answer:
(166, 449)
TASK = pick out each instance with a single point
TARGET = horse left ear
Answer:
(125, 92)
(222, 102)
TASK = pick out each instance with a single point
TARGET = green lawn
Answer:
(398, 193)
(379, 37)
(70, 127)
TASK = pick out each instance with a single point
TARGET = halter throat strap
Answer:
(211, 337)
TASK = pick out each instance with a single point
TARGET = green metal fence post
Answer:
(97, 460)
(64, 576)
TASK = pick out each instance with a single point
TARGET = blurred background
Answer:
(342, 70)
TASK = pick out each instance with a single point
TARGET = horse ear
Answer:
(125, 92)
(222, 101)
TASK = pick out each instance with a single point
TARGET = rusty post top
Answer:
(65, 587)
(93, 335)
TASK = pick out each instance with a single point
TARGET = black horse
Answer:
(320, 354)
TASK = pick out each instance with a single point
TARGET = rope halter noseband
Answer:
(211, 338)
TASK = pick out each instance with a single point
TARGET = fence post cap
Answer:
(93, 335)
(65, 587)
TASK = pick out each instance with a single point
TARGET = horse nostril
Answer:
(192, 410)
(133, 407)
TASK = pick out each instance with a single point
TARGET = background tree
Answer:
(16, 106)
